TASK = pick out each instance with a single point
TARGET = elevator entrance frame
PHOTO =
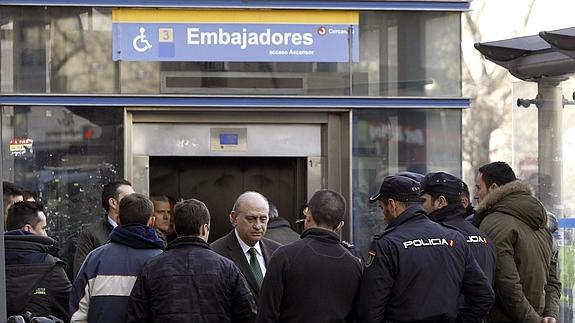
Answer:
(331, 169)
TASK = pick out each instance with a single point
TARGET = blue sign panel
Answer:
(234, 42)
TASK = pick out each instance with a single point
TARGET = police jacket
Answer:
(189, 282)
(35, 279)
(526, 281)
(482, 248)
(91, 238)
(102, 288)
(315, 279)
(416, 270)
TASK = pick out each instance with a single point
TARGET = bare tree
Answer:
(490, 90)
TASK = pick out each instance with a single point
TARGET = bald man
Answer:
(245, 245)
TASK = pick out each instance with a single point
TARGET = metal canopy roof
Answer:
(532, 58)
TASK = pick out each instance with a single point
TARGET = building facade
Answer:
(80, 107)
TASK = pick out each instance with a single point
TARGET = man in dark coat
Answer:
(441, 199)
(189, 282)
(526, 282)
(315, 279)
(102, 288)
(417, 269)
(98, 233)
(245, 245)
(35, 279)
(279, 229)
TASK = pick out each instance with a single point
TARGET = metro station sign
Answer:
(235, 35)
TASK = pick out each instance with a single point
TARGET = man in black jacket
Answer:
(315, 279)
(416, 269)
(35, 278)
(441, 198)
(189, 282)
(98, 233)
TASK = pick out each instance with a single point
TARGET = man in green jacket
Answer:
(526, 284)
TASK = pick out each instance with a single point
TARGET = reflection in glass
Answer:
(69, 153)
(69, 50)
(388, 141)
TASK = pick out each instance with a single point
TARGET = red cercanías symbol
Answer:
(322, 31)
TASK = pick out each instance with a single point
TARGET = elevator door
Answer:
(218, 181)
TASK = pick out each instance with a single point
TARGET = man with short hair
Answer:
(98, 233)
(35, 277)
(163, 215)
(467, 203)
(11, 193)
(279, 229)
(526, 283)
(105, 280)
(189, 282)
(417, 269)
(245, 245)
(315, 279)
(441, 199)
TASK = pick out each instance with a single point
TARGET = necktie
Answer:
(255, 265)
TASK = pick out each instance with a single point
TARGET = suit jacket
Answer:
(229, 247)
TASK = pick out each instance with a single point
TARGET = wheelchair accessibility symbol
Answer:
(140, 43)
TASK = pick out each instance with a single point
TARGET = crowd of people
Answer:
(438, 260)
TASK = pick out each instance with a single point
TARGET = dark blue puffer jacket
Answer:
(102, 288)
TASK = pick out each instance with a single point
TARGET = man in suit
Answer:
(245, 245)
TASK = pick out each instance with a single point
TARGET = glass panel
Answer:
(409, 54)
(388, 141)
(527, 139)
(57, 50)
(69, 50)
(65, 155)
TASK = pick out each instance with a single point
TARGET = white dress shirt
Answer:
(246, 248)
(112, 222)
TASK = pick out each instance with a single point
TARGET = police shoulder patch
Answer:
(370, 257)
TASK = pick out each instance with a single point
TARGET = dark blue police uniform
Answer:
(415, 272)
(446, 185)
(481, 247)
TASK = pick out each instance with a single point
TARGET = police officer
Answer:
(441, 198)
(417, 269)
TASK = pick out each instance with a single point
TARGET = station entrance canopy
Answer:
(547, 58)
(532, 58)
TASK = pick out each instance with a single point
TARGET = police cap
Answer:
(441, 183)
(414, 176)
(399, 188)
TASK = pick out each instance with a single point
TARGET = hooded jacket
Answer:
(526, 285)
(35, 279)
(91, 238)
(102, 288)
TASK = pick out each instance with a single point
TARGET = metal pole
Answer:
(550, 127)
(3, 312)
(350, 57)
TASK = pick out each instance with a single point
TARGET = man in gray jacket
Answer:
(279, 229)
